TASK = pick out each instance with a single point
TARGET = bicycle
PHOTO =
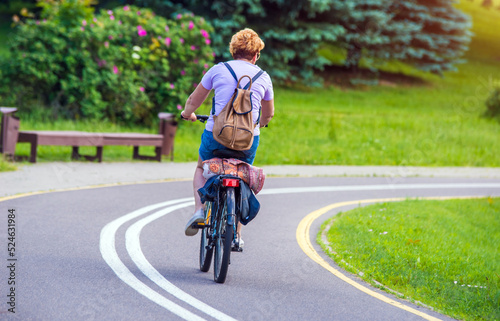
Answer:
(221, 221)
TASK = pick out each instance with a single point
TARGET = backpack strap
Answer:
(236, 78)
(231, 71)
(254, 78)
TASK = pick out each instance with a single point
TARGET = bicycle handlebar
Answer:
(204, 118)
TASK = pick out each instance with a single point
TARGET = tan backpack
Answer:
(234, 126)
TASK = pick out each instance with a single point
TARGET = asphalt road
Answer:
(110, 253)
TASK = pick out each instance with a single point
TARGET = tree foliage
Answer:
(292, 30)
(431, 35)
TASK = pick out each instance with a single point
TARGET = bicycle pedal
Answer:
(198, 225)
(236, 249)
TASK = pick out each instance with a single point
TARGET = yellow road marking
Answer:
(303, 238)
(11, 197)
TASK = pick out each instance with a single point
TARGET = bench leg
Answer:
(158, 154)
(34, 146)
(99, 154)
(157, 157)
(75, 155)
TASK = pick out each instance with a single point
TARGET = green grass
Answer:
(425, 120)
(437, 123)
(441, 253)
(6, 166)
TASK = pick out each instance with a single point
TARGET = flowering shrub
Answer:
(125, 64)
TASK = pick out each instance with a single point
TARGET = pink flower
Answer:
(207, 41)
(193, 47)
(142, 89)
(44, 20)
(38, 22)
(204, 33)
(126, 8)
(110, 12)
(106, 44)
(172, 86)
(119, 22)
(179, 107)
(181, 40)
(110, 37)
(183, 72)
(195, 84)
(204, 72)
(82, 28)
(213, 54)
(142, 33)
(205, 66)
(84, 22)
(191, 25)
(167, 28)
(195, 61)
(138, 13)
(115, 69)
(112, 17)
(95, 19)
(91, 25)
(168, 41)
(179, 16)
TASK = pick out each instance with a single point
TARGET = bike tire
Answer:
(206, 254)
(224, 238)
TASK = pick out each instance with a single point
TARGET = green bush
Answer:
(125, 65)
(493, 104)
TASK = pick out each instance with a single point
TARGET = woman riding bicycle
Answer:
(245, 47)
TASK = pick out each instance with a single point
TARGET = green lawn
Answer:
(424, 120)
(441, 253)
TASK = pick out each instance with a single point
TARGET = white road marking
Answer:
(132, 241)
(108, 250)
(109, 254)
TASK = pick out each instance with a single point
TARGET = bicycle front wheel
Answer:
(224, 238)
(206, 249)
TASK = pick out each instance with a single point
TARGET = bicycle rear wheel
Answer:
(206, 249)
(224, 238)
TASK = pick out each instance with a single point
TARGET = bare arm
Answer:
(194, 102)
(267, 112)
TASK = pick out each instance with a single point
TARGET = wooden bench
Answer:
(162, 142)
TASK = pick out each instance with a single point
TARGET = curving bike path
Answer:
(119, 253)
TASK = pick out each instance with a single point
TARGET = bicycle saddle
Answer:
(228, 153)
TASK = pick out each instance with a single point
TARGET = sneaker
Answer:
(237, 245)
(198, 217)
